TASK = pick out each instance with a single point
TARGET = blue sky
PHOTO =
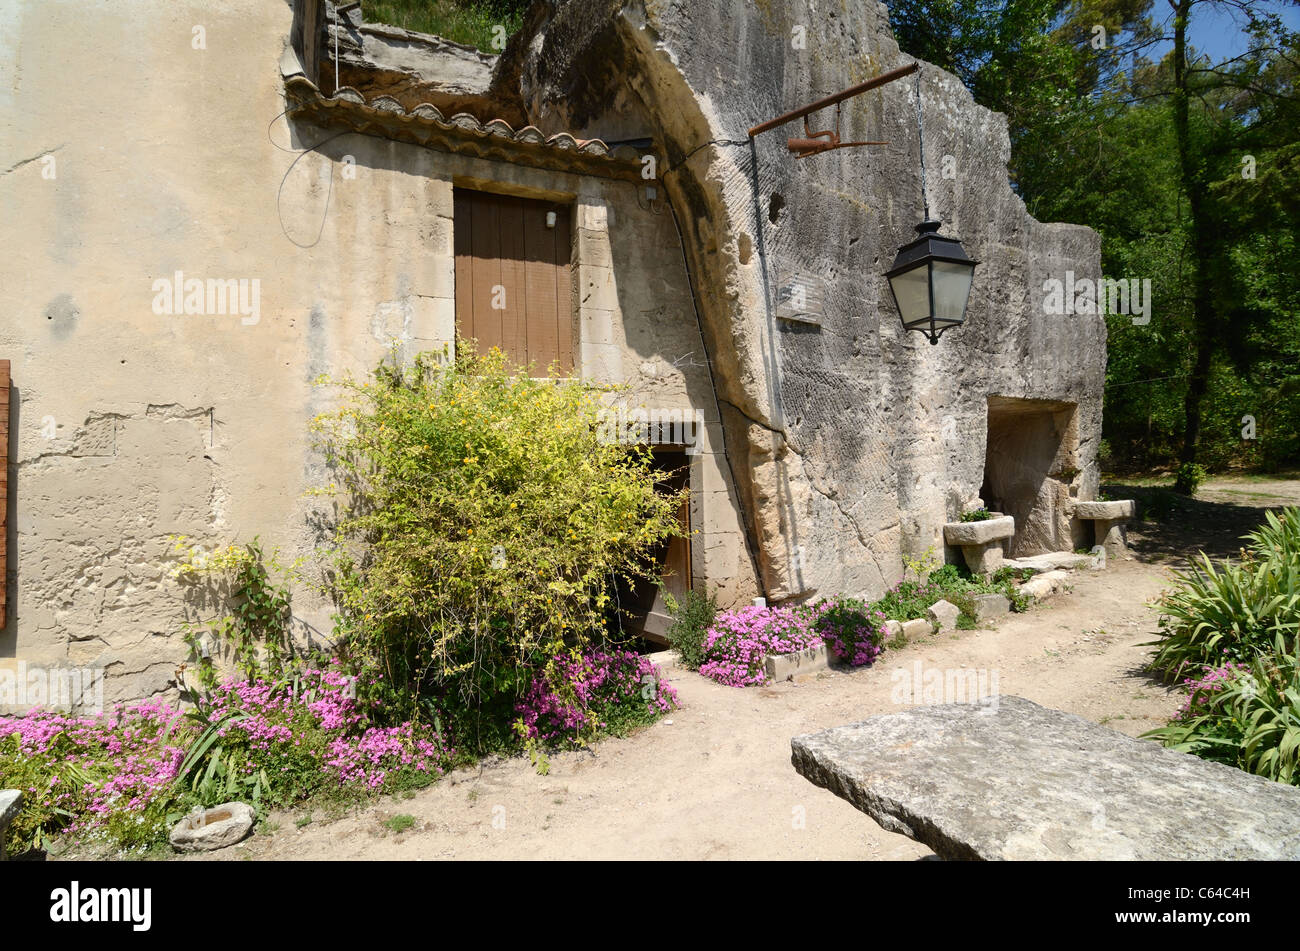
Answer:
(1215, 31)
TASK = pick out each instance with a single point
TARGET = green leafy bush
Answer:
(483, 524)
(1244, 716)
(254, 587)
(1189, 477)
(910, 598)
(692, 618)
(477, 23)
(977, 515)
(1234, 612)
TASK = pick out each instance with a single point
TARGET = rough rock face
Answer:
(1008, 779)
(414, 68)
(853, 441)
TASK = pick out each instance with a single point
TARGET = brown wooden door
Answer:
(513, 284)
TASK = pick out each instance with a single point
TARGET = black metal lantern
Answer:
(932, 274)
(930, 281)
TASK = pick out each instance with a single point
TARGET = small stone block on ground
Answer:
(789, 666)
(917, 627)
(1044, 585)
(1007, 779)
(214, 828)
(943, 615)
(990, 606)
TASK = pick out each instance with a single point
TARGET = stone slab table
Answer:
(11, 800)
(1108, 520)
(1007, 779)
(981, 542)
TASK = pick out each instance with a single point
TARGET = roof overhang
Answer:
(462, 134)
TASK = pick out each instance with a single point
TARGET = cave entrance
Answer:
(1031, 471)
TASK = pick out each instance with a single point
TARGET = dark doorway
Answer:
(1030, 471)
(643, 610)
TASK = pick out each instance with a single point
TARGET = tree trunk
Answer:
(1194, 187)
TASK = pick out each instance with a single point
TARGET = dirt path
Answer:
(716, 781)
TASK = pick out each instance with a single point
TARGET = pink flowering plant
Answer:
(133, 771)
(114, 770)
(737, 644)
(580, 694)
(854, 633)
(739, 641)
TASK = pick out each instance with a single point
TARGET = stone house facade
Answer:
(321, 179)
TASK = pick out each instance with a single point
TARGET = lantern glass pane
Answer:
(951, 289)
(912, 291)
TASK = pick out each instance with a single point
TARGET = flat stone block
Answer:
(1007, 779)
(1054, 560)
(917, 627)
(943, 615)
(1041, 586)
(786, 666)
(663, 659)
(990, 606)
(1124, 508)
(979, 533)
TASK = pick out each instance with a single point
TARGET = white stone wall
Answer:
(132, 426)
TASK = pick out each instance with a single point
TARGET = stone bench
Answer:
(1007, 779)
(11, 801)
(1108, 519)
(981, 542)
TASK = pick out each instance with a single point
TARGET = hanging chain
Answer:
(920, 129)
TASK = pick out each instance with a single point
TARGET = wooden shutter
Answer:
(513, 286)
(4, 490)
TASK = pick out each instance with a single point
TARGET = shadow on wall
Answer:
(1031, 471)
(9, 631)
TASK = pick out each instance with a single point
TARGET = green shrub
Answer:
(1247, 717)
(254, 587)
(692, 618)
(472, 22)
(484, 521)
(1189, 477)
(1234, 612)
(400, 822)
(1159, 506)
(977, 515)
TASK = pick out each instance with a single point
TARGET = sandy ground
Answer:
(714, 781)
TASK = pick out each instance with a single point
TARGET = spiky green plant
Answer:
(1251, 721)
(1234, 611)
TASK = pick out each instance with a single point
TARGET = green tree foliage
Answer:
(1188, 169)
(484, 520)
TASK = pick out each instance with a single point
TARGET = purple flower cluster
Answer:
(88, 769)
(138, 741)
(368, 760)
(739, 641)
(853, 632)
(1211, 681)
(578, 691)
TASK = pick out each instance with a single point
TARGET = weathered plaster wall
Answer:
(853, 442)
(132, 426)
